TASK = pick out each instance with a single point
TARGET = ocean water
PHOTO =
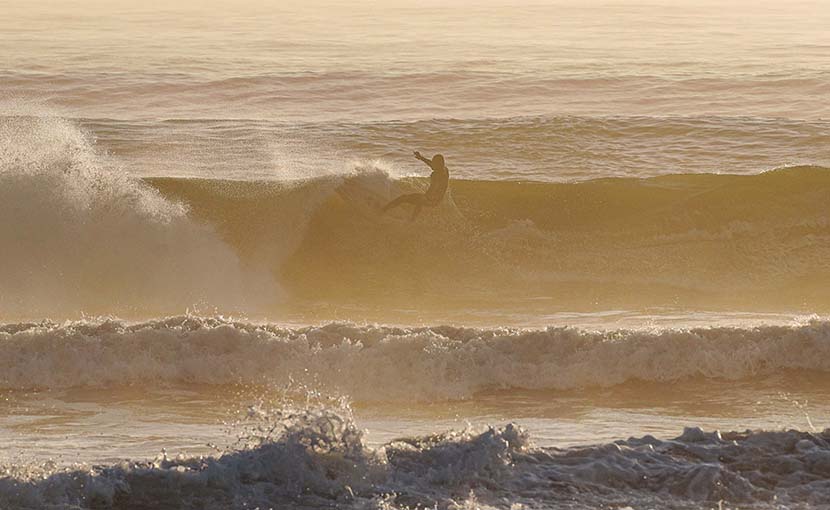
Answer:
(622, 302)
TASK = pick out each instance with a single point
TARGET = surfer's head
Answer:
(438, 160)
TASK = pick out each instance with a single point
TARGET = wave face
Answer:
(699, 241)
(81, 236)
(317, 458)
(373, 363)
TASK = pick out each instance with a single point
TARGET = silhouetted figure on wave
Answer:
(438, 182)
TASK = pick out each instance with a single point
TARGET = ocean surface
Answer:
(622, 302)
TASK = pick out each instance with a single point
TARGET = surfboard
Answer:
(369, 202)
(361, 197)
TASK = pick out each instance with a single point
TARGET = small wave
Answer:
(316, 458)
(391, 95)
(376, 363)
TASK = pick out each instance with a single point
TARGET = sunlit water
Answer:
(121, 125)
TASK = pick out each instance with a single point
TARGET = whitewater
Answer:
(621, 302)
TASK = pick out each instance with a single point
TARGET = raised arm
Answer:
(425, 160)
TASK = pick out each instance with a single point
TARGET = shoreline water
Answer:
(317, 455)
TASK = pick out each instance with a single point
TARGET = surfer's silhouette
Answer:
(438, 182)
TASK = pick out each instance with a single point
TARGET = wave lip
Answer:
(316, 458)
(377, 363)
(79, 235)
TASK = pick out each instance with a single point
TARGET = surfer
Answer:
(438, 182)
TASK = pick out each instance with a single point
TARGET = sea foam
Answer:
(316, 457)
(377, 363)
(81, 236)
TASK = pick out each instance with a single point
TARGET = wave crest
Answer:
(375, 363)
(81, 236)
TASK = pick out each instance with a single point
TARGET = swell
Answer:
(707, 241)
(375, 363)
(389, 95)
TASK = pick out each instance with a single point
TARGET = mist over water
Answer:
(81, 236)
(194, 275)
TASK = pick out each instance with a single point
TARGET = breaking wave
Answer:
(316, 457)
(375, 363)
(78, 235)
